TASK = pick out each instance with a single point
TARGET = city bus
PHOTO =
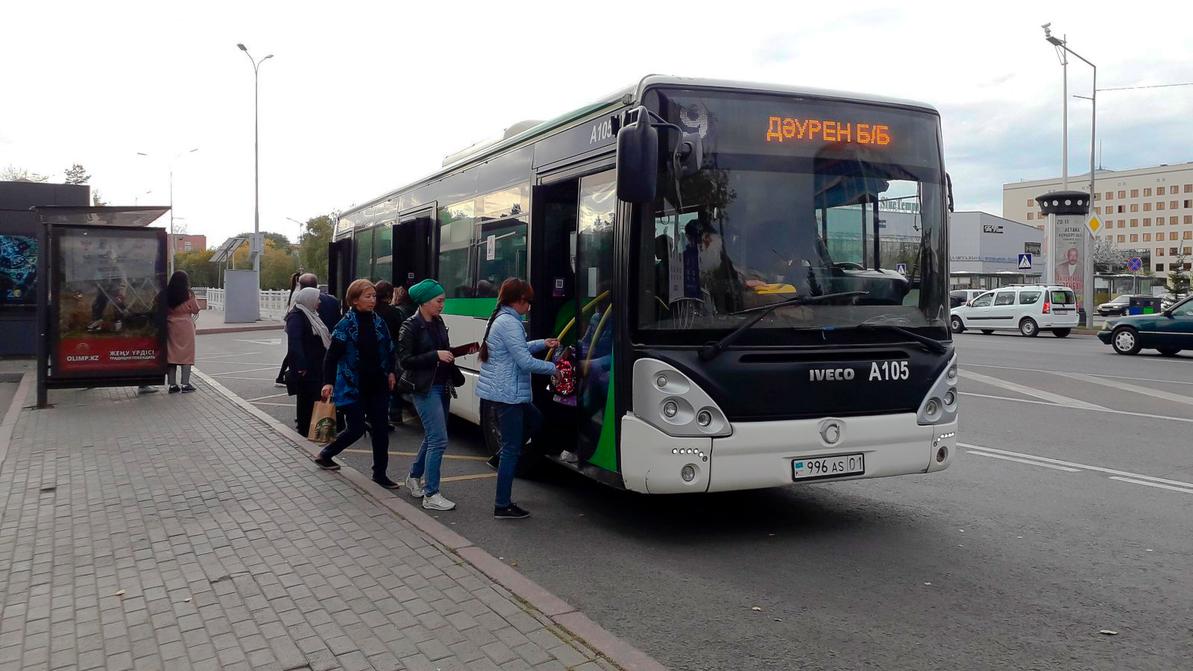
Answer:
(749, 282)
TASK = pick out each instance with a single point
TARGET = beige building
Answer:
(1145, 209)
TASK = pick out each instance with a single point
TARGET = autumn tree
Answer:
(76, 174)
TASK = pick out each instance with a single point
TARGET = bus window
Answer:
(500, 254)
(364, 253)
(383, 249)
(455, 243)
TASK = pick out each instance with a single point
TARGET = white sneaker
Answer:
(569, 457)
(415, 487)
(437, 502)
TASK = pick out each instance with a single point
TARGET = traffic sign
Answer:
(901, 268)
(1134, 264)
(1093, 224)
(1025, 261)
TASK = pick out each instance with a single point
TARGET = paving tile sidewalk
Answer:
(176, 531)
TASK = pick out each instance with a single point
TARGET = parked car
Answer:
(1169, 331)
(1027, 309)
(1120, 304)
(962, 296)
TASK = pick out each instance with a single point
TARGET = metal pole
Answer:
(1064, 64)
(173, 243)
(1089, 265)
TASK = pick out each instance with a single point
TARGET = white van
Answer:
(1027, 309)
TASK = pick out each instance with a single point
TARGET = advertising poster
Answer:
(18, 270)
(1067, 263)
(109, 287)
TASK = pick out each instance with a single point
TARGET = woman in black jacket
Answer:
(307, 340)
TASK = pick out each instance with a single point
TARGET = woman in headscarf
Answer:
(430, 375)
(180, 330)
(307, 340)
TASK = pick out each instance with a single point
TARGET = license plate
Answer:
(828, 467)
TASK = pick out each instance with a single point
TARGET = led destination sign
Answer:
(791, 129)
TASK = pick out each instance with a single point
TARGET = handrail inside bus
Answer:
(572, 322)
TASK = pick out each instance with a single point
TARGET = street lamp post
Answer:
(256, 163)
(175, 157)
(1062, 48)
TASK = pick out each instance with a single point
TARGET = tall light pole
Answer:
(256, 165)
(175, 157)
(1062, 49)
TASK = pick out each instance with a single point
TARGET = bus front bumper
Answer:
(761, 454)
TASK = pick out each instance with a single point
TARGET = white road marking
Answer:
(1025, 461)
(1152, 484)
(1146, 391)
(262, 398)
(1030, 391)
(221, 356)
(1072, 464)
(1109, 411)
(1058, 372)
(246, 370)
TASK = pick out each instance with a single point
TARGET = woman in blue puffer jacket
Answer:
(504, 385)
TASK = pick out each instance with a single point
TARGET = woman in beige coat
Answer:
(180, 331)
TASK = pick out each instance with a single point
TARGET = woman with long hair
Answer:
(180, 330)
(507, 362)
(430, 375)
(358, 368)
(307, 340)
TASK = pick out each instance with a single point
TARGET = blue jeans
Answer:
(515, 423)
(432, 412)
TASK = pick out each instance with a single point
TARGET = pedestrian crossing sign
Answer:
(1093, 224)
(1025, 261)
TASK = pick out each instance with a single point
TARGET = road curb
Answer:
(9, 420)
(558, 611)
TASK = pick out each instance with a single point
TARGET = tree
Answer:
(277, 263)
(1107, 257)
(1178, 278)
(15, 174)
(96, 200)
(198, 265)
(75, 174)
(312, 246)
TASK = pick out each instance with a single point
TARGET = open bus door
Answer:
(414, 246)
(339, 267)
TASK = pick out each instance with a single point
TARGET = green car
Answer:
(1169, 331)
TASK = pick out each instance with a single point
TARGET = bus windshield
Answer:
(793, 197)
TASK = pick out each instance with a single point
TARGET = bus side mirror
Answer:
(638, 160)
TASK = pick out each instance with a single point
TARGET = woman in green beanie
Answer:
(430, 375)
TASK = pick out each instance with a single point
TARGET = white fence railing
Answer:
(273, 303)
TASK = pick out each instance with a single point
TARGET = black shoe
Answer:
(186, 388)
(174, 389)
(327, 464)
(387, 483)
(494, 461)
(510, 512)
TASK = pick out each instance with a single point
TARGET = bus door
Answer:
(413, 246)
(339, 267)
(573, 279)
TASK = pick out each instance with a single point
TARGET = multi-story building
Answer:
(189, 243)
(1147, 209)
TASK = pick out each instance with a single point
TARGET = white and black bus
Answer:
(751, 280)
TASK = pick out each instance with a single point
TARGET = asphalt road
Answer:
(1065, 515)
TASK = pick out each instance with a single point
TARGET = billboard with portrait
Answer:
(18, 270)
(1068, 264)
(108, 316)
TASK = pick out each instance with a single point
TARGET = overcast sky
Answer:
(361, 98)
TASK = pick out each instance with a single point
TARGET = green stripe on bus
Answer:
(470, 307)
(606, 452)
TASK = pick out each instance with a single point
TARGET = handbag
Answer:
(323, 422)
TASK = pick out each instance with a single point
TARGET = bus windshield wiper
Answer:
(931, 344)
(711, 350)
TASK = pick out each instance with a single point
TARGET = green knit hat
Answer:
(424, 291)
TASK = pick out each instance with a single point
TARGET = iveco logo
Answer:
(830, 432)
(830, 374)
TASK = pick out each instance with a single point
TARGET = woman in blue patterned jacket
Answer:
(361, 361)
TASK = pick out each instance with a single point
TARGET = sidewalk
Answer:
(180, 531)
(212, 321)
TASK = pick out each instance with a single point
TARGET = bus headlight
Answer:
(688, 472)
(671, 402)
(940, 403)
(670, 409)
(704, 418)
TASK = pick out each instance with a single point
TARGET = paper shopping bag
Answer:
(323, 422)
